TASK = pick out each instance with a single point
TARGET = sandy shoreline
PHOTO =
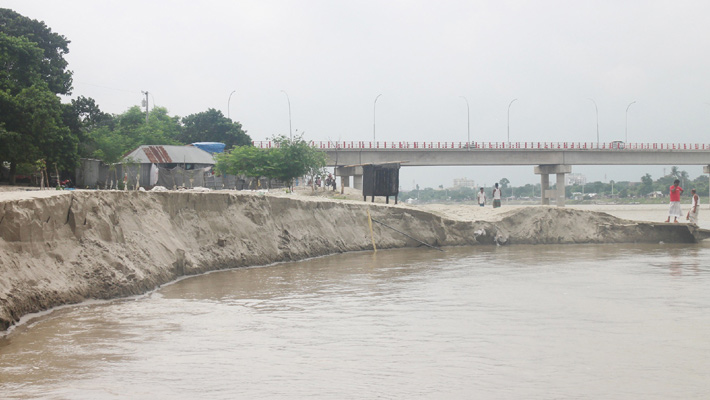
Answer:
(634, 212)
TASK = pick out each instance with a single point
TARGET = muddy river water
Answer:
(542, 322)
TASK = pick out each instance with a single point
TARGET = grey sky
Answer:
(334, 57)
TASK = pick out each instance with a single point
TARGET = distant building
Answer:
(148, 165)
(166, 165)
(464, 182)
(576, 179)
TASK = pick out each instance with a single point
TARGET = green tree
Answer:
(32, 73)
(123, 133)
(290, 159)
(248, 161)
(52, 66)
(82, 116)
(646, 185)
(701, 185)
(31, 121)
(296, 158)
(504, 184)
(213, 126)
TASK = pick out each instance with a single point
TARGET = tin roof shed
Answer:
(148, 154)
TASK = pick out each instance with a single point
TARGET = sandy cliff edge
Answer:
(68, 247)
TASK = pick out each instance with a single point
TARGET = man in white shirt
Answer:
(481, 198)
(496, 197)
(694, 208)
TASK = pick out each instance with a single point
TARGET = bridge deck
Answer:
(519, 153)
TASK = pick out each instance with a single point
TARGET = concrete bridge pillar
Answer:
(357, 182)
(706, 169)
(346, 172)
(545, 189)
(558, 194)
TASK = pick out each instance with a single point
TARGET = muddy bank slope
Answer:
(69, 247)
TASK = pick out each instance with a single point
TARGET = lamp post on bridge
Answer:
(228, 100)
(374, 119)
(597, 110)
(626, 128)
(468, 124)
(511, 103)
(289, 115)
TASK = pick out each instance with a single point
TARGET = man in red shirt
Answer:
(674, 211)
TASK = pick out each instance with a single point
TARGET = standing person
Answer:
(674, 210)
(496, 196)
(694, 208)
(482, 198)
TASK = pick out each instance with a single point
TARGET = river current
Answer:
(514, 322)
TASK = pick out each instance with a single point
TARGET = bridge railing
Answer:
(615, 146)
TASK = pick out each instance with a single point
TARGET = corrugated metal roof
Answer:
(170, 155)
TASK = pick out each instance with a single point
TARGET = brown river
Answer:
(517, 322)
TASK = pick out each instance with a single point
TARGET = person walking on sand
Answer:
(692, 216)
(674, 210)
(482, 198)
(496, 196)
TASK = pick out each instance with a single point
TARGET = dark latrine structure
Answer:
(380, 180)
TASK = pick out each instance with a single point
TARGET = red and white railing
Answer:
(614, 146)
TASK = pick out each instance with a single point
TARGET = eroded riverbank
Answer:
(65, 248)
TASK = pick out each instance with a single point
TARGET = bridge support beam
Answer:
(559, 193)
(346, 172)
(357, 182)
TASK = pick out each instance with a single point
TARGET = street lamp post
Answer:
(290, 133)
(511, 103)
(468, 126)
(597, 110)
(374, 118)
(228, 100)
(626, 128)
(146, 105)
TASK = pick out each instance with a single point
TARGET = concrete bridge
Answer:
(546, 157)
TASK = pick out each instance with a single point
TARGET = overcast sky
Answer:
(334, 57)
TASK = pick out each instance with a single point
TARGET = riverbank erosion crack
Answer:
(66, 248)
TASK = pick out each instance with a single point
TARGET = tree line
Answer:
(37, 129)
(625, 190)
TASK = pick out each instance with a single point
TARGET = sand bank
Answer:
(61, 247)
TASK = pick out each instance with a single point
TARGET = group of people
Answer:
(329, 181)
(675, 211)
(496, 197)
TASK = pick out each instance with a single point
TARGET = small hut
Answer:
(169, 166)
(380, 180)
